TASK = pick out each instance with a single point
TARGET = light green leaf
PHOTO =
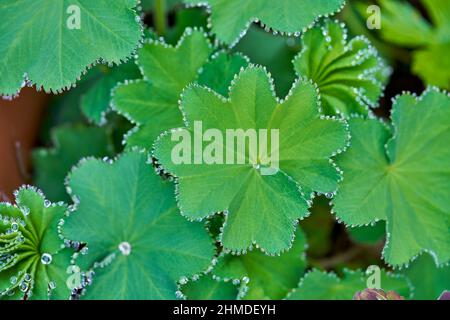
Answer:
(392, 182)
(152, 103)
(208, 288)
(33, 260)
(428, 280)
(139, 245)
(266, 277)
(261, 208)
(404, 25)
(37, 41)
(95, 102)
(349, 74)
(51, 166)
(230, 19)
(318, 285)
(433, 65)
(218, 73)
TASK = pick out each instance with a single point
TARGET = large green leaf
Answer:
(260, 208)
(152, 103)
(350, 75)
(33, 259)
(230, 19)
(266, 277)
(139, 245)
(51, 166)
(428, 280)
(37, 42)
(402, 24)
(318, 285)
(401, 177)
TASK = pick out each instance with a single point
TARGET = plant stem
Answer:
(160, 17)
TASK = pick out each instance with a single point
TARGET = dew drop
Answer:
(24, 286)
(125, 248)
(14, 227)
(46, 258)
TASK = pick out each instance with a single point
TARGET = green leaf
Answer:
(428, 280)
(252, 199)
(33, 259)
(218, 73)
(109, 31)
(208, 288)
(387, 176)
(368, 234)
(433, 65)
(70, 145)
(95, 102)
(230, 19)
(139, 245)
(350, 75)
(318, 285)
(318, 228)
(404, 26)
(275, 52)
(266, 277)
(152, 103)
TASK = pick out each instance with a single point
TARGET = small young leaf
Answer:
(403, 25)
(52, 43)
(350, 75)
(139, 245)
(387, 176)
(230, 19)
(253, 201)
(152, 103)
(33, 259)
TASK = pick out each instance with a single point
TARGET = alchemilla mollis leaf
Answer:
(33, 259)
(95, 102)
(401, 176)
(51, 43)
(70, 145)
(428, 280)
(263, 192)
(139, 246)
(208, 287)
(318, 285)
(265, 277)
(152, 103)
(349, 74)
(230, 19)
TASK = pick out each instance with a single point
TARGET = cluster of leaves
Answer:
(142, 227)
